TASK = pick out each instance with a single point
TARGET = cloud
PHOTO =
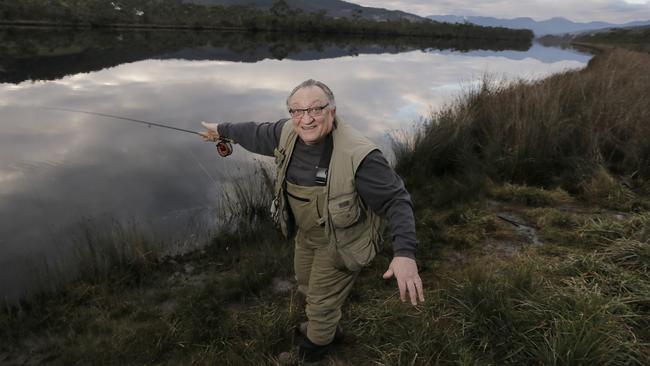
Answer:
(614, 11)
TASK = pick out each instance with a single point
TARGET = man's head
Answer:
(312, 108)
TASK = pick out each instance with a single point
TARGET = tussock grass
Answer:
(221, 312)
(529, 309)
(604, 230)
(523, 317)
(530, 196)
(631, 254)
(561, 131)
(459, 227)
(246, 197)
(495, 312)
(105, 251)
(556, 226)
(105, 312)
(553, 218)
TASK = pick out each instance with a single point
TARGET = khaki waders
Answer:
(318, 275)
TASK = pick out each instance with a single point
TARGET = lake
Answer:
(60, 169)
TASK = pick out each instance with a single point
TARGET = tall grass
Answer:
(112, 310)
(526, 311)
(246, 197)
(571, 130)
(107, 249)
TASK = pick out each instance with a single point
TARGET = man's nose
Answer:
(305, 114)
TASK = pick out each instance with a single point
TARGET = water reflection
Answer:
(46, 54)
(545, 54)
(57, 167)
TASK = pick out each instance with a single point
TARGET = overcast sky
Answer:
(613, 11)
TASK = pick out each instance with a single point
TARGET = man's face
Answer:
(311, 130)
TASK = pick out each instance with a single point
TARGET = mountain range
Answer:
(344, 9)
(334, 8)
(557, 25)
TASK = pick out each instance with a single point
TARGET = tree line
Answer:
(279, 17)
(634, 38)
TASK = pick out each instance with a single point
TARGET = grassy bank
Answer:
(578, 130)
(528, 256)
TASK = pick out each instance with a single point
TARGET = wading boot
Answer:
(307, 354)
(338, 336)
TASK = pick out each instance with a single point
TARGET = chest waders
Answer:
(336, 234)
(317, 270)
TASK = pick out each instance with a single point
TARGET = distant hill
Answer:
(636, 38)
(303, 17)
(557, 25)
(634, 29)
(334, 8)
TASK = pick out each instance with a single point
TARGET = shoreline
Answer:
(36, 24)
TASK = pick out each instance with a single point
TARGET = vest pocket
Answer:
(344, 210)
(356, 251)
(302, 199)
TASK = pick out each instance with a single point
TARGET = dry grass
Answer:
(573, 130)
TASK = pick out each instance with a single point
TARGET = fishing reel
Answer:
(224, 147)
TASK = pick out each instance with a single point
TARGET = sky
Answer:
(613, 11)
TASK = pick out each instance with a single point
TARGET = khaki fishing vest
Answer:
(352, 228)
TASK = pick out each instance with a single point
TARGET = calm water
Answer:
(57, 168)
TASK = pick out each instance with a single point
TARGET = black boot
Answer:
(338, 335)
(306, 353)
(311, 352)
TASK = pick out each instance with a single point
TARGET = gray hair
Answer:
(316, 83)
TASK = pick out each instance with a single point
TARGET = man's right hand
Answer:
(211, 133)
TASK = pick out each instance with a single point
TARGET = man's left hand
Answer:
(405, 271)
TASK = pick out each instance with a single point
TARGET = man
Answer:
(332, 185)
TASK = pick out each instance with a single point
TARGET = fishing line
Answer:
(202, 167)
(224, 147)
(122, 118)
(193, 156)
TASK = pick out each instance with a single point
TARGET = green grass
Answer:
(530, 196)
(590, 305)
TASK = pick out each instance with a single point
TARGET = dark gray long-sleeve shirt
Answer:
(377, 183)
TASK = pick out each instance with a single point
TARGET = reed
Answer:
(575, 130)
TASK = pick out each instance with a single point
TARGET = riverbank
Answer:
(528, 256)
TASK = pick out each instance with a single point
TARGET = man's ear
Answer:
(334, 112)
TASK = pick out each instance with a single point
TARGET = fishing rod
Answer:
(224, 145)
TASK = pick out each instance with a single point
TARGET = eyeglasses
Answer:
(312, 112)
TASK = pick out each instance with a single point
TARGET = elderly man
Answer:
(332, 187)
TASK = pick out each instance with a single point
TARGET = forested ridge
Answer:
(635, 38)
(180, 14)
